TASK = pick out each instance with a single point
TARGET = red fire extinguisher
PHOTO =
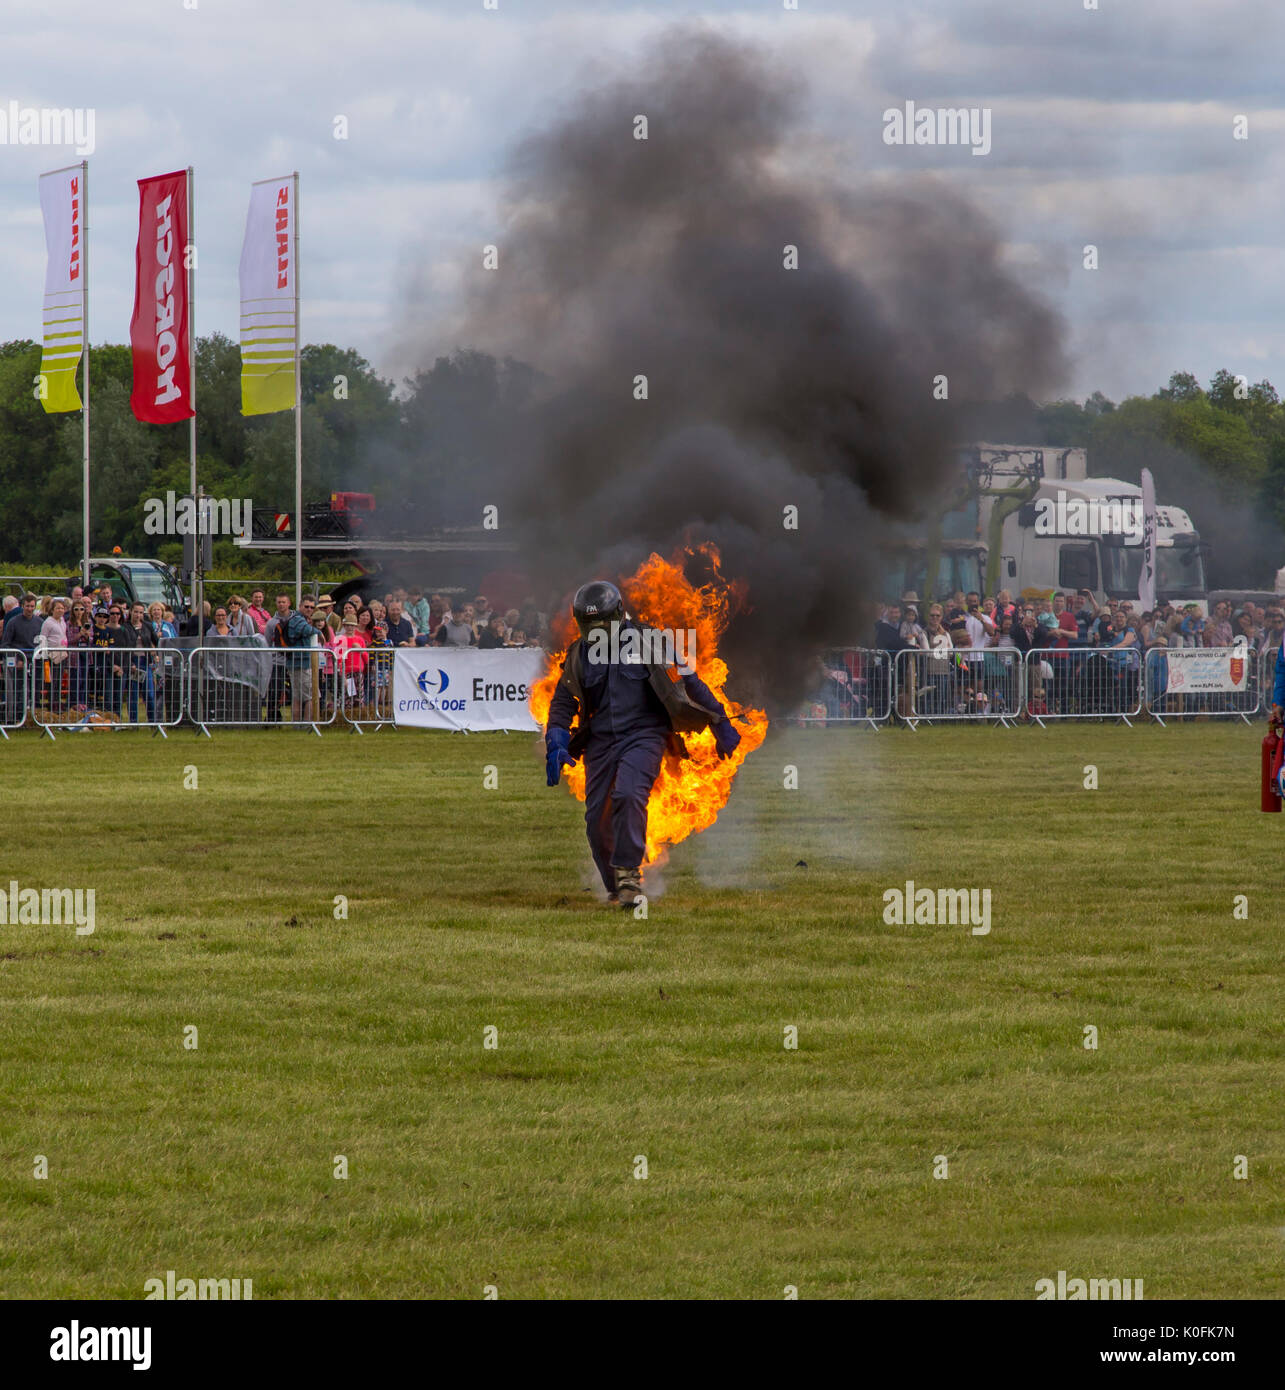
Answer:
(1273, 748)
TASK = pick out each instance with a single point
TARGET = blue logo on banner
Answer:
(430, 686)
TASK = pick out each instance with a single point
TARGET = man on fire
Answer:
(630, 713)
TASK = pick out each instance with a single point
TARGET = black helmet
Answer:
(596, 604)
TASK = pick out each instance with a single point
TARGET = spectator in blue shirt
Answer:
(1192, 627)
(401, 631)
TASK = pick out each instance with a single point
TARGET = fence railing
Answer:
(1266, 678)
(15, 689)
(1001, 685)
(246, 684)
(93, 687)
(962, 683)
(1181, 686)
(365, 685)
(242, 683)
(856, 687)
(1083, 683)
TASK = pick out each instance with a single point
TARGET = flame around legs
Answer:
(688, 794)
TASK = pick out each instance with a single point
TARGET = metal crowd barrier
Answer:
(243, 683)
(1083, 683)
(240, 682)
(1266, 678)
(365, 680)
(80, 688)
(15, 692)
(962, 683)
(856, 688)
(1167, 702)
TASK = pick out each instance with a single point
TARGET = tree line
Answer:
(425, 447)
(1217, 451)
(432, 449)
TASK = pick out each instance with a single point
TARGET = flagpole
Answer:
(191, 351)
(84, 336)
(298, 417)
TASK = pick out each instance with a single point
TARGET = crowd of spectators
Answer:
(96, 654)
(1092, 656)
(1064, 620)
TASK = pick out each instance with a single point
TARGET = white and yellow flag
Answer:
(62, 202)
(268, 271)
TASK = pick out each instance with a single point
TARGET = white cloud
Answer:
(1109, 126)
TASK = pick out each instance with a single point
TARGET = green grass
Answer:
(663, 1037)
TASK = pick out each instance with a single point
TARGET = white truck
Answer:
(1086, 533)
(1021, 516)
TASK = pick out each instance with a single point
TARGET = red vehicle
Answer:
(352, 503)
(345, 516)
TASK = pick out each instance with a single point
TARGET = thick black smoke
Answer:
(767, 387)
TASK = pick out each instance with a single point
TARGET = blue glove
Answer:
(556, 756)
(726, 737)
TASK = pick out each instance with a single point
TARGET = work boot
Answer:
(628, 886)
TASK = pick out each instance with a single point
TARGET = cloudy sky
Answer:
(1113, 126)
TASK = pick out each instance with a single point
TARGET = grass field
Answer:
(617, 1038)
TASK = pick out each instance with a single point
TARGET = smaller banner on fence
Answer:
(463, 688)
(1196, 672)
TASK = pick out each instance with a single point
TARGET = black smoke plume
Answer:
(767, 387)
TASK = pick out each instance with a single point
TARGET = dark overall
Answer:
(624, 731)
(628, 735)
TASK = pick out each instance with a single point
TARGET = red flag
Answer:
(158, 332)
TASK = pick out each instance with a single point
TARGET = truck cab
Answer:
(1070, 537)
(904, 566)
(137, 581)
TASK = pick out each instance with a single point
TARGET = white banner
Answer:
(1196, 671)
(464, 688)
(268, 283)
(62, 204)
(1147, 576)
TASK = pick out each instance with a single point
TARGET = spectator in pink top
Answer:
(258, 614)
(53, 638)
(351, 646)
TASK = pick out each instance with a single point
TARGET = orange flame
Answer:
(690, 793)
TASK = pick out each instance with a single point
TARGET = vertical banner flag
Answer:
(62, 203)
(158, 332)
(1147, 575)
(268, 300)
